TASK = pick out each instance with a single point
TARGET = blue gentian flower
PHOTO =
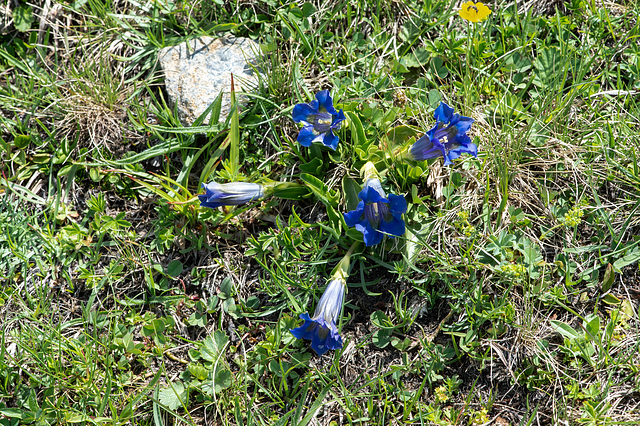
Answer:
(377, 215)
(320, 120)
(321, 329)
(448, 138)
(230, 194)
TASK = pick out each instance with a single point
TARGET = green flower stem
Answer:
(341, 271)
(467, 81)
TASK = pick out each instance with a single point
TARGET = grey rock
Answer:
(197, 70)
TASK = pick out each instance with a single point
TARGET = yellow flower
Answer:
(474, 12)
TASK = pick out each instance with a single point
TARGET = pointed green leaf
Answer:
(564, 329)
(350, 190)
(234, 135)
(609, 277)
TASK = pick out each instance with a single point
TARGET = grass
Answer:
(511, 299)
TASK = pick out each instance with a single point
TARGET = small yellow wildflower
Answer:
(480, 417)
(573, 216)
(474, 12)
(513, 272)
(463, 224)
(441, 394)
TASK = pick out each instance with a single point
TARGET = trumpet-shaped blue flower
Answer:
(320, 119)
(230, 194)
(448, 138)
(377, 215)
(321, 329)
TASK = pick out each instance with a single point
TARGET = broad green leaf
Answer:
(41, 158)
(399, 136)
(380, 319)
(83, 418)
(219, 378)
(308, 9)
(585, 249)
(412, 246)
(213, 346)
(319, 189)
(23, 17)
(222, 379)
(434, 98)
(593, 327)
(198, 371)
(313, 167)
(290, 191)
(415, 173)
(530, 252)
(610, 299)
(358, 137)
(627, 260)
(212, 303)
(14, 413)
(400, 345)
(174, 396)
(230, 307)
(415, 58)
(440, 69)
(628, 309)
(564, 329)
(21, 141)
(382, 337)
(226, 288)
(197, 319)
(410, 31)
(95, 174)
(549, 66)
(174, 269)
(507, 107)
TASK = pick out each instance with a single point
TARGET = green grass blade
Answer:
(234, 136)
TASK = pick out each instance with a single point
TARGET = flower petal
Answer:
(319, 345)
(330, 304)
(306, 135)
(372, 192)
(307, 330)
(302, 111)
(474, 11)
(427, 147)
(330, 140)
(393, 228)
(230, 194)
(372, 196)
(464, 124)
(444, 113)
(321, 328)
(330, 340)
(354, 216)
(397, 204)
(371, 236)
(204, 202)
(471, 148)
(337, 120)
(334, 341)
(325, 101)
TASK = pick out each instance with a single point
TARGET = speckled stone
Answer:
(196, 70)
